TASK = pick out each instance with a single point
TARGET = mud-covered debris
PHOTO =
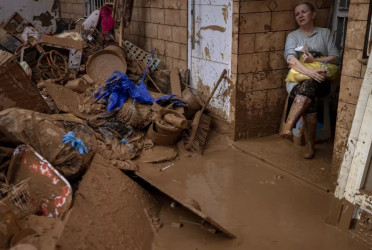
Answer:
(176, 86)
(77, 85)
(177, 121)
(136, 114)
(111, 208)
(16, 88)
(98, 68)
(44, 133)
(48, 192)
(8, 222)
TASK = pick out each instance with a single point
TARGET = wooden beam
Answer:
(176, 86)
(127, 17)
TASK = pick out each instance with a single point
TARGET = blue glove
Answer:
(76, 143)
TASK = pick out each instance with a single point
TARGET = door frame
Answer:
(202, 27)
(358, 152)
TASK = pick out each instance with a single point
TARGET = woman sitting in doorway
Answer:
(307, 44)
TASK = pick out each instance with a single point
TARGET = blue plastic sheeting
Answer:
(119, 88)
(171, 98)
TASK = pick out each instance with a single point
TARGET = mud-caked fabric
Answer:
(311, 89)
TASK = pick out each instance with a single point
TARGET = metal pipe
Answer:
(193, 25)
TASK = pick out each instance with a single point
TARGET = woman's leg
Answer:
(309, 128)
(303, 94)
(310, 121)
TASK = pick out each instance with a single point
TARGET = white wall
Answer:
(41, 13)
(212, 52)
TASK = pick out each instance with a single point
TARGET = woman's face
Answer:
(304, 15)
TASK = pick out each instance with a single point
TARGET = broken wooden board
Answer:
(196, 186)
(67, 100)
(16, 89)
(67, 39)
(176, 86)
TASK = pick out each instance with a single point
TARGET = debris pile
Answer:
(71, 97)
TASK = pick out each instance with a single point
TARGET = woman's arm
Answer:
(308, 58)
(317, 75)
(332, 49)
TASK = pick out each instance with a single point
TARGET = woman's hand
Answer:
(308, 58)
(317, 75)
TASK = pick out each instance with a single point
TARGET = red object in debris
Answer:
(107, 21)
(49, 191)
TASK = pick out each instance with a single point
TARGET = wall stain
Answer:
(207, 53)
(225, 13)
(204, 90)
(45, 19)
(213, 27)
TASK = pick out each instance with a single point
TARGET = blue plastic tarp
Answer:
(119, 88)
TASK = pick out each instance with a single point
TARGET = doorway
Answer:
(272, 148)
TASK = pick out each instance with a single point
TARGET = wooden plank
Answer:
(127, 17)
(340, 214)
(16, 88)
(175, 190)
(347, 212)
(67, 100)
(176, 86)
(334, 212)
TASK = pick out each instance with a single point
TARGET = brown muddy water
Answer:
(264, 207)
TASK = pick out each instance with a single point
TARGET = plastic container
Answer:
(324, 68)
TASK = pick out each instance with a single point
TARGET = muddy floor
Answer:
(264, 207)
(167, 206)
(287, 156)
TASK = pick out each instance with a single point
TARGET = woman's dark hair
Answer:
(308, 4)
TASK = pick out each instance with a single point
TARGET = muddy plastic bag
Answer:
(112, 148)
(44, 133)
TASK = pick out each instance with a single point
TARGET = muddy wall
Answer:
(261, 69)
(353, 70)
(41, 13)
(72, 9)
(161, 24)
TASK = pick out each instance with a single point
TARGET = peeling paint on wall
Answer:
(45, 19)
(199, 36)
(225, 13)
(207, 54)
(40, 13)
